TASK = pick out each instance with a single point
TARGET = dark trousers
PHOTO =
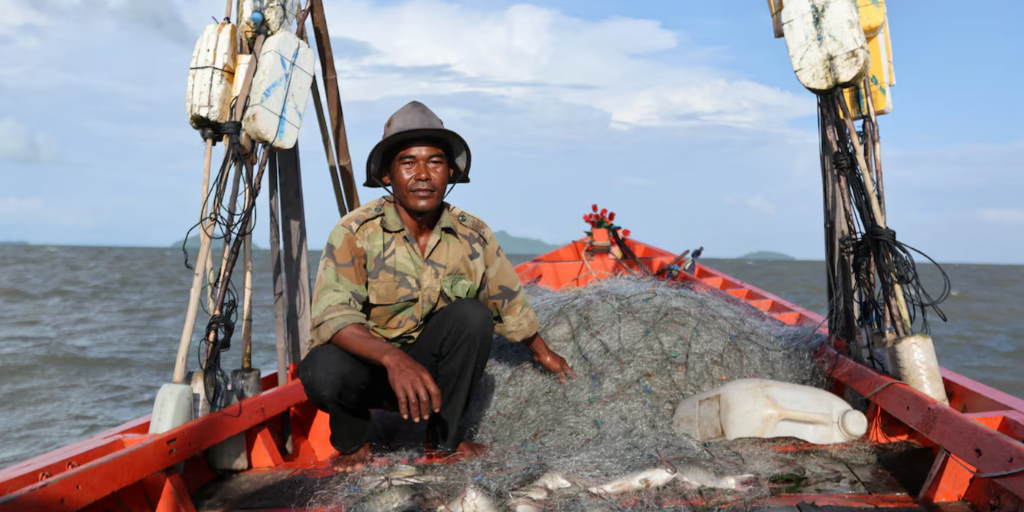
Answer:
(453, 347)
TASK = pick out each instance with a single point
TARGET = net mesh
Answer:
(637, 347)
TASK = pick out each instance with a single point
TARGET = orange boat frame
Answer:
(127, 469)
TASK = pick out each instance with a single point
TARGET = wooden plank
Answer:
(296, 259)
(828, 476)
(876, 479)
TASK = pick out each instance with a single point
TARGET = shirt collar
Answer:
(393, 222)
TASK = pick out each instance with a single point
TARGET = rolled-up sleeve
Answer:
(340, 291)
(504, 295)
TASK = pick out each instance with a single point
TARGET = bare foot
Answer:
(355, 461)
(470, 450)
(466, 450)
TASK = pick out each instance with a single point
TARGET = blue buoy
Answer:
(257, 17)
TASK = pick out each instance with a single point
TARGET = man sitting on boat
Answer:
(409, 293)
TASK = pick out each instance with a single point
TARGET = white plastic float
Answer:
(913, 359)
(280, 89)
(210, 76)
(767, 408)
(273, 15)
(826, 45)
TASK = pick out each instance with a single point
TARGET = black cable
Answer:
(876, 252)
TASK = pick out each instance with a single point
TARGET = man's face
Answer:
(418, 176)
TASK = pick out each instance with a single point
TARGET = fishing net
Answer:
(637, 347)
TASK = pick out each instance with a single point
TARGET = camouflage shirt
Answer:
(372, 273)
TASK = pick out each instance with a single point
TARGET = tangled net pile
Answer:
(637, 347)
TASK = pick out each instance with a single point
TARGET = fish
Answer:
(647, 479)
(526, 498)
(395, 499)
(690, 476)
(469, 500)
(695, 476)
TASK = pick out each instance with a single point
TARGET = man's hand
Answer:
(548, 358)
(413, 386)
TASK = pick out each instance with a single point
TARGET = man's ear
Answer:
(386, 178)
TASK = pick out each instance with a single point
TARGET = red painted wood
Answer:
(57, 462)
(75, 489)
(974, 443)
(968, 395)
(263, 451)
(947, 481)
(167, 492)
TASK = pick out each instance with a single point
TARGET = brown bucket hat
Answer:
(411, 122)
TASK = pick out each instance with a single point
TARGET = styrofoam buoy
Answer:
(913, 359)
(210, 76)
(280, 89)
(273, 15)
(172, 408)
(826, 44)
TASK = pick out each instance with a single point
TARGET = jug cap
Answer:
(853, 423)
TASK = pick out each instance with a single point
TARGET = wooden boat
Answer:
(963, 456)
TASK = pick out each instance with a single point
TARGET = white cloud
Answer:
(18, 144)
(1012, 216)
(18, 208)
(159, 16)
(36, 211)
(529, 53)
(757, 202)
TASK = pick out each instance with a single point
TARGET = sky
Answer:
(685, 118)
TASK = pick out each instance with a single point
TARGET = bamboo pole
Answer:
(236, 247)
(181, 361)
(876, 211)
(247, 287)
(232, 201)
(275, 257)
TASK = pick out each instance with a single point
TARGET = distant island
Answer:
(518, 245)
(13, 242)
(766, 255)
(193, 243)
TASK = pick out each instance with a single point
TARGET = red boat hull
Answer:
(127, 469)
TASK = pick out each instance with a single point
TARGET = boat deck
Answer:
(838, 478)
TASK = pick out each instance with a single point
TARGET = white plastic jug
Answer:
(280, 89)
(210, 76)
(768, 408)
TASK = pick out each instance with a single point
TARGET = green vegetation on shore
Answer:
(522, 245)
(767, 255)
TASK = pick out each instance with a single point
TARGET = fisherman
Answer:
(409, 293)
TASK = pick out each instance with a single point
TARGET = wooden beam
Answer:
(978, 445)
(323, 46)
(296, 259)
(277, 265)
